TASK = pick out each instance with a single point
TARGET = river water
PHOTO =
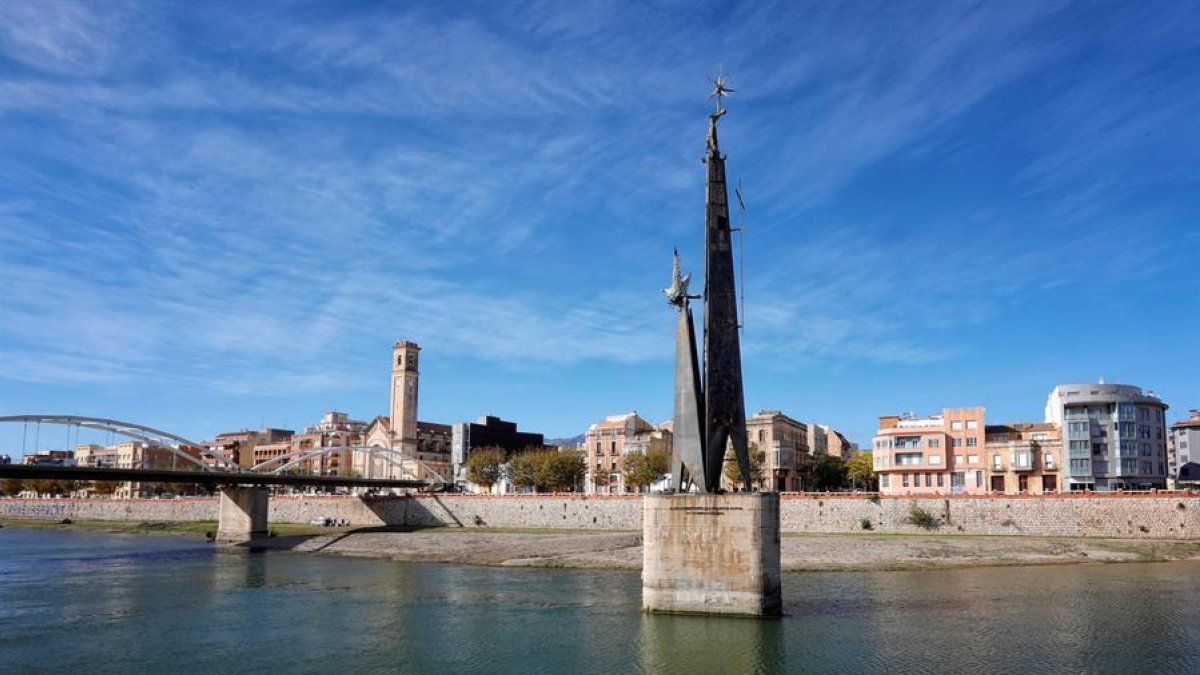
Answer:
(101, 603)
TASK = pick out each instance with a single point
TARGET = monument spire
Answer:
(724, 404)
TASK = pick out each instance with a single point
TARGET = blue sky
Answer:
(221, 215)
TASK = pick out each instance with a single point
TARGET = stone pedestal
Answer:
(711, 554)
(243, 515)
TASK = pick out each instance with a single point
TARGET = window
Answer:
(958, 442)
(972, 442)
(928, 480)
(908, 458)
(978, 479)
(1049, 460)
(933, 442)
(972, 459)
(940, 480)
(997, 463)
(1099, 448)
(1080, 465)
(972, 424)
(908, 442)
(904, 480)
(935, 459)
(957, 426)
(885, 481)
(958, 459)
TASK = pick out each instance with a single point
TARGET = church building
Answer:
(410, 439)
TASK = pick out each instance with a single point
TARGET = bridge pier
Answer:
(711, 554)
(243, 515)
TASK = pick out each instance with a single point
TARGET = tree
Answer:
(548, 469)
(11, 487)
(523, 470)
(860, 470)
(733, 472)
(103, 487)
(642, 469)
(822, 473)
(567, 468)
(485, 467)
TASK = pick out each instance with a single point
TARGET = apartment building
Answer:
(784, 444)
(938, 454)
(1023, 457)
(607, 442)
(1114, 434)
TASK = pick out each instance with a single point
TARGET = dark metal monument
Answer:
(710, 553)
(710, 410)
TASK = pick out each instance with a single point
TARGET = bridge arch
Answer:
(394, 457)
(150, 435)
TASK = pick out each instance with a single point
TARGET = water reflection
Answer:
(700, 644)
(106, 604)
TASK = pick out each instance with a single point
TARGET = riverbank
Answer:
(621, 550)
(799, 553)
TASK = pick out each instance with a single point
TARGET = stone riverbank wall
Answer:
(1141, 516)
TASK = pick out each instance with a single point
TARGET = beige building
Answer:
(421, 449)
(1024, 458)
(132, 455)
(818, 441)
(606, 444)
(241, 447)
(784, 443)
(837, 444)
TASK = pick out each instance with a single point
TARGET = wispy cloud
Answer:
(193, 196)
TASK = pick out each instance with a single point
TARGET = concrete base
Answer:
(712, 554)
(242, 515)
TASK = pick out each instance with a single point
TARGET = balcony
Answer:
(784, 459)
(1021, 461)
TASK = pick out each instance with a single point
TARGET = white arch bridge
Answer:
(395, 464)
(243, 493)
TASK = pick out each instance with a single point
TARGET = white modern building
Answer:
(1114, 436)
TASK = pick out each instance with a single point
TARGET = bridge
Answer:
(243, 493)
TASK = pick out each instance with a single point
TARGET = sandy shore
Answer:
(623, 551)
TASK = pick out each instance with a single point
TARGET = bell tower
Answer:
(404, 393)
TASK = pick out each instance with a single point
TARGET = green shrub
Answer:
(865, 523)
(921, 518)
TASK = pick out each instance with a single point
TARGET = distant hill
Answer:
(572, 442)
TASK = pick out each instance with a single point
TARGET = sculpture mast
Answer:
(724, 400)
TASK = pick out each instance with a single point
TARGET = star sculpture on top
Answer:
(720, 90)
